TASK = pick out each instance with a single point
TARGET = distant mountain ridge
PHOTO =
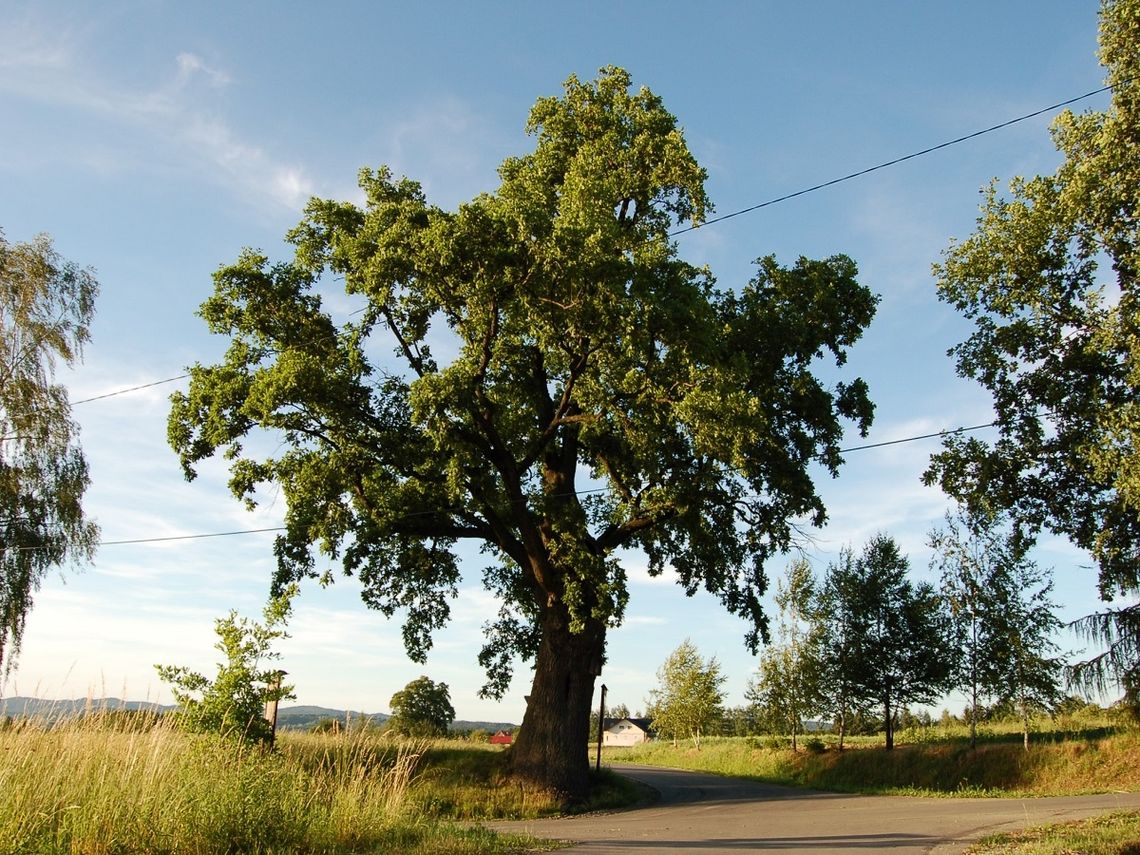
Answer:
(300, 717)
(51, 709)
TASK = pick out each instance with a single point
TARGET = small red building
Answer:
(502, 737)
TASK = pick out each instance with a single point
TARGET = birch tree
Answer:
(46, 307)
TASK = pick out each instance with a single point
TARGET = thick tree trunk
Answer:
(552, 749)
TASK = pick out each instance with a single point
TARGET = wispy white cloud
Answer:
(190, 65)
(28, 46)
(645, 620)
(179, 113)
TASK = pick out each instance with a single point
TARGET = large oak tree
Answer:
(563, 386)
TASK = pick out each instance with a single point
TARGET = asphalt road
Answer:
(706, 813)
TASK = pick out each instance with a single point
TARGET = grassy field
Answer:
(109, 785)
(1064, 759)
(122, 784)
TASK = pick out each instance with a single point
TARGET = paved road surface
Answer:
(706, 813)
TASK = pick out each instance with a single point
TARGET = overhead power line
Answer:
(916, 438)
(143, 540)
(131, 389)
(190, 536)
(832, 182)
(893, 162)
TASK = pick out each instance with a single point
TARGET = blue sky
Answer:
(154, 140)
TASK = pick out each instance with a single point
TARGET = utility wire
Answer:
(766, 204)
(131, 389)
(953, 432)
(576, 492)
(894, 162)
(189, 536)
(741, 212)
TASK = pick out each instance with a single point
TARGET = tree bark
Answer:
(552, 749)
(889, 722)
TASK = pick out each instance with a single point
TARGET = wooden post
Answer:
(271, 704)
(601, 727)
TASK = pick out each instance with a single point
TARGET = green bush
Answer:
(815, 745)
(233, 703)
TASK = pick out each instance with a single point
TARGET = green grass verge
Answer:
(1112, 834)
(1071, 767)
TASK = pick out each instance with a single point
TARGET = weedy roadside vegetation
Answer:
(116, 783)
(1112, 834)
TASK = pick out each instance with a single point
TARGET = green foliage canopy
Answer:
(421, 708)
(1049, 279)
(688, 701)
(233, 703)
(46, 306)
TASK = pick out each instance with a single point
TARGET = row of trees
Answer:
(867, 636)
(421, 709)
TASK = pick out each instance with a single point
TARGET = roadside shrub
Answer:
(815, 745)
(233, 703)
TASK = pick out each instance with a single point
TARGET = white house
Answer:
(625, 731)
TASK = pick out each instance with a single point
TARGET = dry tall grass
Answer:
(98, 786)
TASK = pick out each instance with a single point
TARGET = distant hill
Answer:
(304, 717)
(489, 726)
(301, 717)
(18, 707)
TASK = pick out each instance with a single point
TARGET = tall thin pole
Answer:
(601, 723)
